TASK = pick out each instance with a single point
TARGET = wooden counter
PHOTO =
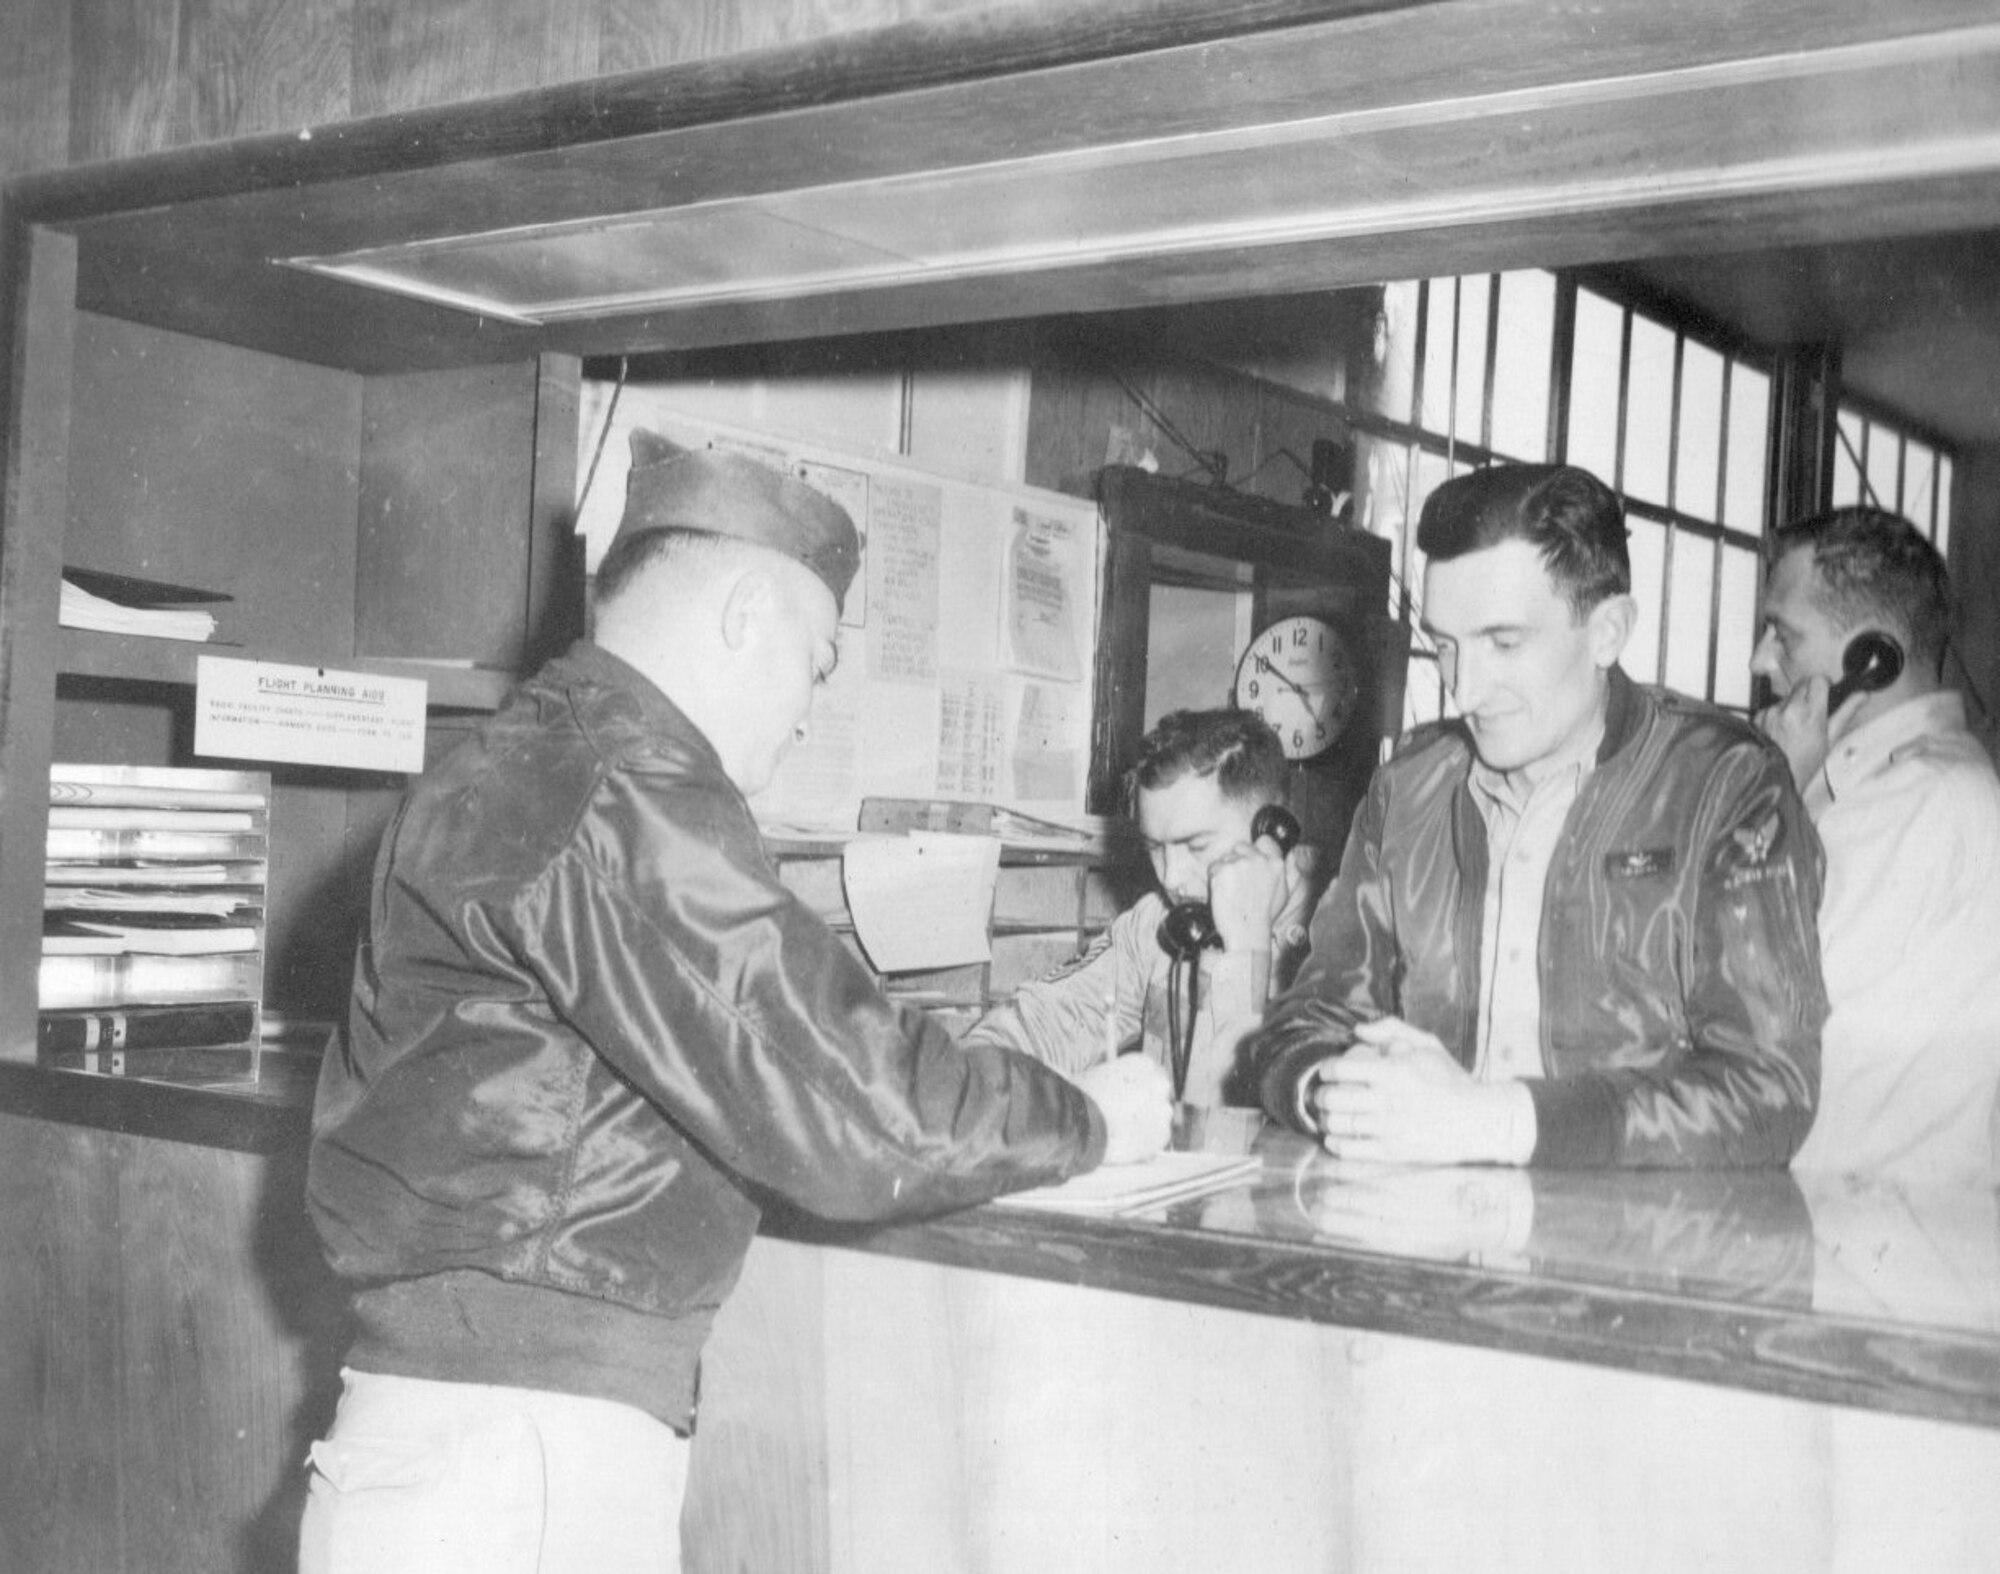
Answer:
(1461, 1368)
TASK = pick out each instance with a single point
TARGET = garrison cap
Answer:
(722, 494)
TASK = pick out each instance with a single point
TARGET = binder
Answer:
(75, 1033)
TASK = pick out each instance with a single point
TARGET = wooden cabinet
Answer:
(411, 523)
(1255, 560)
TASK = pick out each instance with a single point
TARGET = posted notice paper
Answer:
(921, 900)
(265, 710)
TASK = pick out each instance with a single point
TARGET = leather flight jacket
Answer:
(593, 1036)
(1678, 956)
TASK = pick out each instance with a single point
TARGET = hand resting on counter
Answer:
(1399, 1097)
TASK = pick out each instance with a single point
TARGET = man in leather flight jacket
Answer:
(593, 1035)
(1574, 925)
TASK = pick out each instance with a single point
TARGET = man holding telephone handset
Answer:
(1856, 618)
(1183, 974)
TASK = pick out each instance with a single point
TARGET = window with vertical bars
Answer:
(1680, 427)
(1533, 366)
(1877, 461)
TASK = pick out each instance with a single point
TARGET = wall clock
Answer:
(1298, 674)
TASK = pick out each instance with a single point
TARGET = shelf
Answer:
(131, 658)
(271, 1115)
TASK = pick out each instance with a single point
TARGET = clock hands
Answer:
(1322, 692)
(1312, 706)
(1289, 682)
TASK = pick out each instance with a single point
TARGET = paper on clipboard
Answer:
(921, 900)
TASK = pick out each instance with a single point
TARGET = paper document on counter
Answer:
(921, 901)
(1120, 1188)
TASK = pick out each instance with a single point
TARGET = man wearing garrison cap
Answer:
(592, 1034)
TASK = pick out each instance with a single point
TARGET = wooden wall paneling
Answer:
(1118, 698)
(447, 484)
(37, 287)
(320, 868)
(173, 1345)
(101, 721)
(1067, 410)
(238, 471)
(1286, 427)
(411, 53)
(35, 71)
(553, 614)
(125, 96)
(1078, 407)
(1211, 410)
(60, 1481)
(191, 1452)
(758, 1493)
(635, 36)
(250, 66)
(202, 464)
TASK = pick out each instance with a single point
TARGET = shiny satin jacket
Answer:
(591, 1033)
(1682, 998)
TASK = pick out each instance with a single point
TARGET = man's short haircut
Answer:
(691, 551)
(1569, 516)
(1874, 568)
(1236, 747)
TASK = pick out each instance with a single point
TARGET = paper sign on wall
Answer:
(264, 710)
(921, 900)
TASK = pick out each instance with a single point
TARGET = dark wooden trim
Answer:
(275, 1119)
(38, 287)
(554, 615)
(1219, 522)
(1117, 707)
(904, 57)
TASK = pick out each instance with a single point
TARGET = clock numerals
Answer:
(1295, 675)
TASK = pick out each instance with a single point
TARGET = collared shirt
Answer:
(1524, 814)
(1908, 806)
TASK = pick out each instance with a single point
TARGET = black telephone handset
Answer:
(1190, 926)
(1871, 661)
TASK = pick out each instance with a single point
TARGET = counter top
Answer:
(1835, 1289)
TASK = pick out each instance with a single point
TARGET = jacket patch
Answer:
(1647, 863)
(1748, 856)
(1755, 841)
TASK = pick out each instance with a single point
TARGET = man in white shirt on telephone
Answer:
(1905, 799)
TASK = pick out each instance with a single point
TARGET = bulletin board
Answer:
(968, 639)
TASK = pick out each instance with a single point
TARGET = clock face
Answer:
(1300, 677)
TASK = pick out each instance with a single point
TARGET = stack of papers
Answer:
(80, 937)
(1121, 1188)
(120, 605)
